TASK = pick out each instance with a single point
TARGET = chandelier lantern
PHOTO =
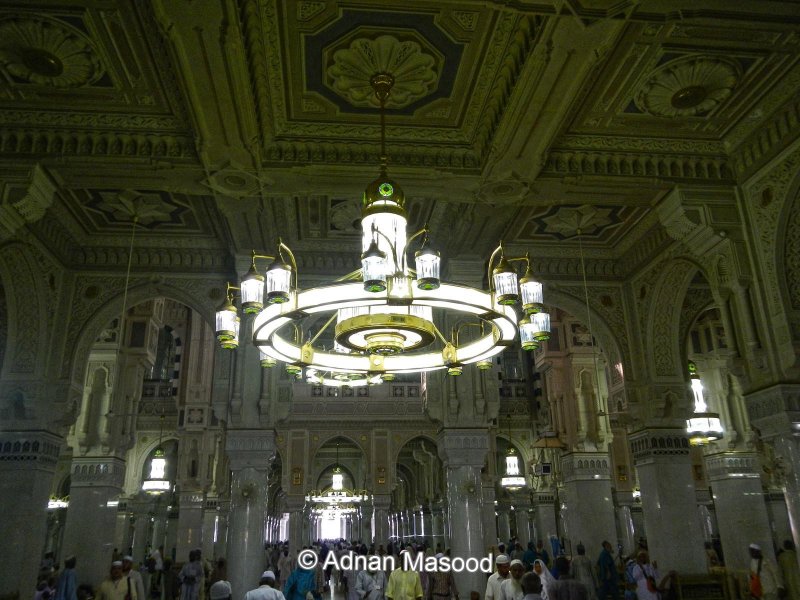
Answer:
(703, 427)
(380, 321)
(158, 483)
(512, 479)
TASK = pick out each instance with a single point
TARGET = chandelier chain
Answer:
(589, 320)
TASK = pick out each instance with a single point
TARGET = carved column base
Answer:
(662, 461)
(91, 523)
(589, 516)
(740, 509)
(27, 463)
(463, 452)
(250, 454)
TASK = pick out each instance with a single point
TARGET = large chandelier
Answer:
(381, 317)
(703, 427)
(512, 479)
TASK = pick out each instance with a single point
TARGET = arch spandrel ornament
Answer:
(99, 308)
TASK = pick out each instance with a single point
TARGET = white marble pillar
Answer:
(503, 523)
(522, 517)
(625, 528)
(172, 533)
(463, 452)
(221, 545)
(427, 524)
(159, 534)
(93, 483)
(545, 516)
(123, 533)
(740, 508)
(142, 527)
(250, 453)
(294, 506)
(664, 468)
(586, 497)
(774, 411)
(488, 516)
(26, 478)
(190, 522)
(787, 447)
(209, 525)
(380, 519)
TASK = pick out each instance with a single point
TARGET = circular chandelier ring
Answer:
(453, 297)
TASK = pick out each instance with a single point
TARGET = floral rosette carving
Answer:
(689, 86)
(46, 52)
(413, 70)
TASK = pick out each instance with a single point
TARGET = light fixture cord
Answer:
(127, 281)
(589, 319)
(384, 157)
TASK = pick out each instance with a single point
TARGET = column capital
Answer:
(381, 501)
(108, 471)
(586, 466)
(463, 447)
(546, 497)
(27, 450)
(729, 465)
(252, 448)
(775, 410)
(658, 445)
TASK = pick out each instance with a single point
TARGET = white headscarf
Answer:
(546, 577)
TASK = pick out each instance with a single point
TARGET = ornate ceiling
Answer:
(224, 124)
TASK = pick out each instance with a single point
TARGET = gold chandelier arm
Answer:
(283, 246)
(391, 247)
(229, 288)
(323, 328)
(352, 276)
(491, 264)
(424, 230)
(439, 333)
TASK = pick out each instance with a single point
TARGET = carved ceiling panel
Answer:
(689, 82)
(454, 71)
(104, 216)
(106, 62)
(600, 225)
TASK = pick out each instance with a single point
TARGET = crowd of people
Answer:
(530, 573)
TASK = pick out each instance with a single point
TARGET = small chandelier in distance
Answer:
(703, 427)
(512, 479)
(382, 316)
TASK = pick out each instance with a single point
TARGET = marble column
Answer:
(210, 522)
(427, 525)
(664, 468)
(545, 516)
(775, 411)
(503, 523)
(380, 519)
(141, 527)
(221, 545)
(123, 532)
(522, 517)
(93, 482)
(787, 448)
(294, 506)
(488, 516)
(250, 453)
(586, 494)
(437, 527)
(190, 522)
(26, 478)
(463, 452)
(626, 532)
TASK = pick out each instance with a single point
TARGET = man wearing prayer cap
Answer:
(116, 587)
(511, 588)
(266, 589)
(134, 575)
(765, 581)
(496, 579)
(220, 590)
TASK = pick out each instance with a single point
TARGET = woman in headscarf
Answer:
(544, 574)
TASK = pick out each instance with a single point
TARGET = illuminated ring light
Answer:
(385, 334)
(502, 321)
